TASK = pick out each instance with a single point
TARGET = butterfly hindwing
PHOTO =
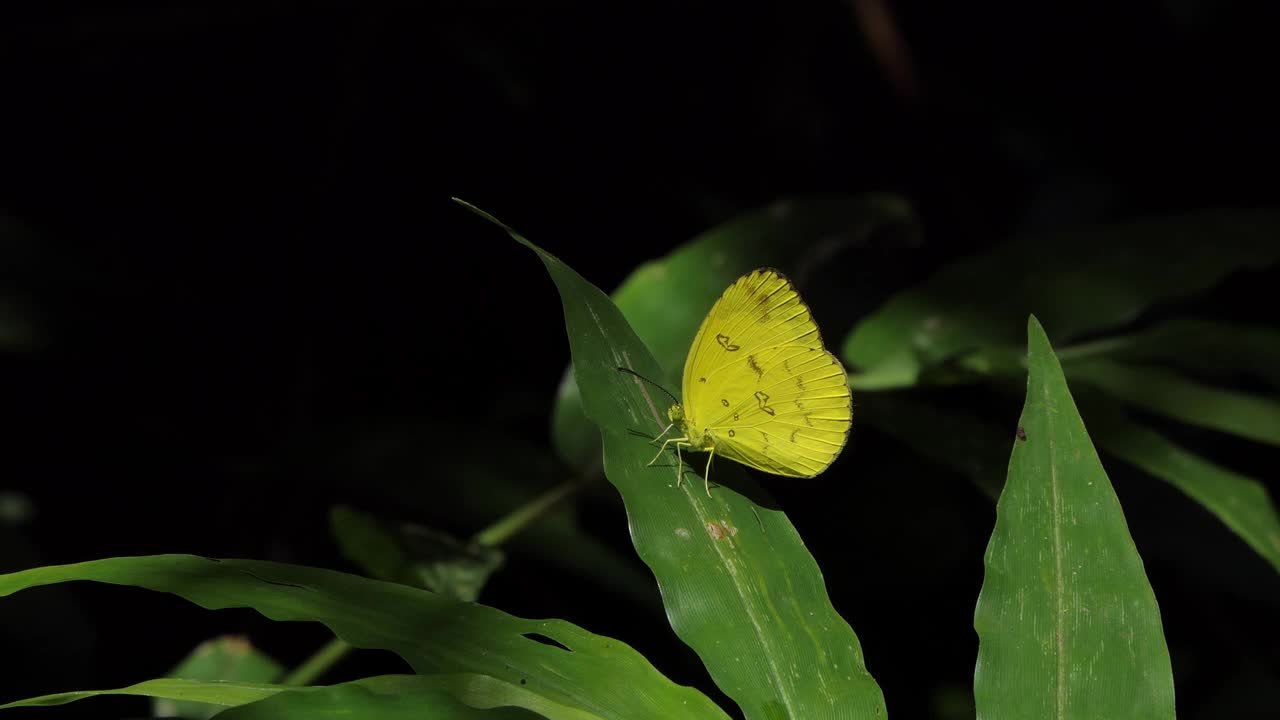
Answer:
(794, 420)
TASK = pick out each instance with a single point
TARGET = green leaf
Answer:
(1165, 392)
(363, 541)
(478, 691)
(665, 300)
(739, 585)
(476, 488)
(221, 694)
(227, 658)
(1205, 346)
(1077, 282)
(1240, 502)
(413, 554)
(355, 701)
(575, 439)
(1068, 626)
(433, 634)
(429, 697)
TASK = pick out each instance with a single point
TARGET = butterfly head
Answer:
(676, 414)
(679, 419)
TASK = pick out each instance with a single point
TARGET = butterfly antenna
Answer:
(629, 371)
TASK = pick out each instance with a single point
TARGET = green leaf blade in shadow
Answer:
(223, 659)
(1165, 392)
(1205, 346)
(739, 586)
(1240, 502)
(1068, 624)
(1078, 282)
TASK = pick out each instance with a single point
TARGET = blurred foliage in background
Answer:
(240, 317)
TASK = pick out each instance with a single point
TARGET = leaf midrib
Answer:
(1060, 696)
(770, 656)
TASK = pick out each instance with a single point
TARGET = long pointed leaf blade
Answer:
(421, 697)
(222, 693)
(433, 634)
(1068, 625)
(351, 700)
(1240, 502)
(1165, 392)
(739, 585)
(1079, 282)
(1206, 346)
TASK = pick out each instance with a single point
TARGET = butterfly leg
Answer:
(663, 449)
(706, 474)
(665, 430)
(679, 466)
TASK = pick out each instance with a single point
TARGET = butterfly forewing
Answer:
(760, 310)
(759, 379)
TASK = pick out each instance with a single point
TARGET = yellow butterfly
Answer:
(759, 387)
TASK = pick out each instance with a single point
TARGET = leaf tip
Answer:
(1037, 339)
(483, 214)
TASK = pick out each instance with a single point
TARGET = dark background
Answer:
(227, 245)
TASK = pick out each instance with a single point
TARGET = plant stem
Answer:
(1084, 351)
(318, 664)
(526, 515)
(497, 533)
